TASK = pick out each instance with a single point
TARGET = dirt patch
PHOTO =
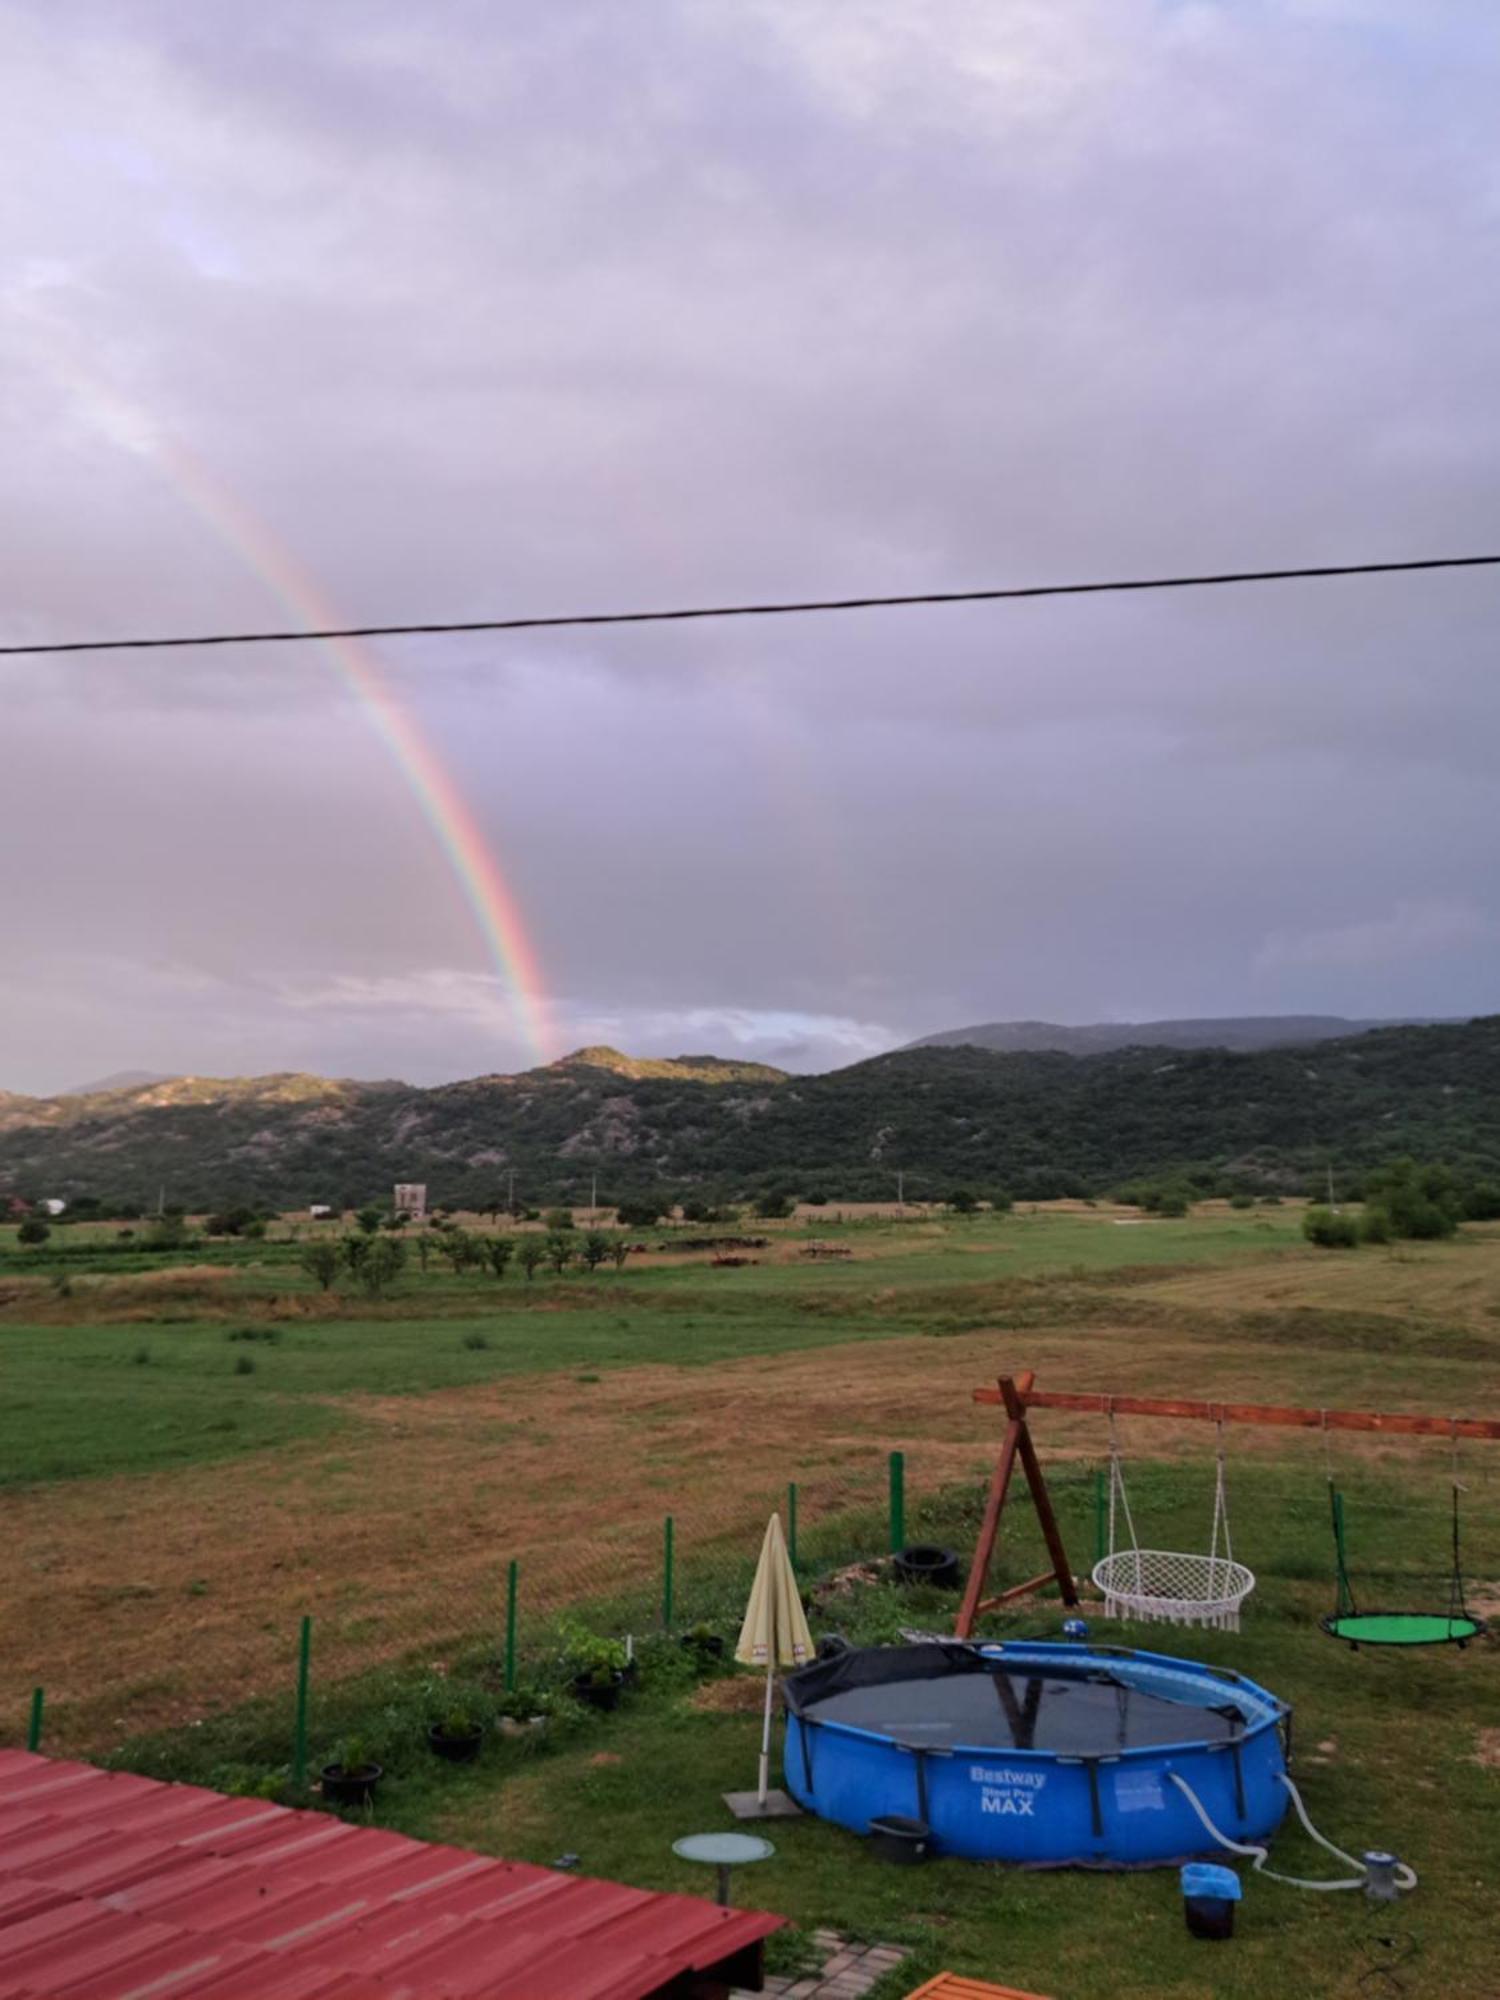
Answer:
(742, 1694)
(1487, 1749)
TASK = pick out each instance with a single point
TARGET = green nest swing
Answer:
(1356, 1627)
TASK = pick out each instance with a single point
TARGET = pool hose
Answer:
(1405, 1878)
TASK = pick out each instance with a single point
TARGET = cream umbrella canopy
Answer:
(775, 1629)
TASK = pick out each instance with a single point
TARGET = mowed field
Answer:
(171, 1512)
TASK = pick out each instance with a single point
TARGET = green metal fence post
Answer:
(791, 1521)
(34, 1728)
(1099, 1549)
(512, 1580)
(299, 1738)
(667, 1578)
(898, 1501)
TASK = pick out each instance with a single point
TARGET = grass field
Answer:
(172, 1512)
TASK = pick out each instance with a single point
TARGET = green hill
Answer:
(1038, 1123)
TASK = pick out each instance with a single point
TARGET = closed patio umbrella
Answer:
(774, 1634)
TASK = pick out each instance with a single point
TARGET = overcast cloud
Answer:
(478, 309)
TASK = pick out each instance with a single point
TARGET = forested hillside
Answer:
(1037, 1125)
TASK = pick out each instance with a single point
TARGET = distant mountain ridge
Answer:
(1037, 1123)
(1246, 1031)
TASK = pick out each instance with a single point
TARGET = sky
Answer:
(381, 314)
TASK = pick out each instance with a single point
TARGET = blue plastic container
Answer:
(1209, 1894)
(1047, 1754)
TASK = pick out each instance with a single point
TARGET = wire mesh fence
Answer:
(494, 1589)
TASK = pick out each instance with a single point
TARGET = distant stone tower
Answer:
(411, 1200)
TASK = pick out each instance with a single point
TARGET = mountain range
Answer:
(1038, 1123)
(1247, 1031)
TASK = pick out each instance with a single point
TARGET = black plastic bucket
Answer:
(899, 1838)
(1209, 1894)
(925, 1562)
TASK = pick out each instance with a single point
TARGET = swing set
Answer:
(1185, 1588)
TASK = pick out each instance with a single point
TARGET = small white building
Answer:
(411, 1200)
(320, 1211)
(52, 1205)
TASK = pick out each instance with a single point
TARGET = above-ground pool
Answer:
(1048, 1754)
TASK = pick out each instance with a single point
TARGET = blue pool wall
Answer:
(1043, 1810)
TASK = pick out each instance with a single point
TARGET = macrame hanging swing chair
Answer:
(1169, 1585)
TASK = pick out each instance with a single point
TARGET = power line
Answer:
(439, 627)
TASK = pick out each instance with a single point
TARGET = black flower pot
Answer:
(354, 1786)
(458, 1747)
(603, 1694)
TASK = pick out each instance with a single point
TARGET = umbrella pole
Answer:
(765, 1738)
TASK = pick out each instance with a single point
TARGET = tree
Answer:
(499, 1250)
(382, 1264)
(775, 1205)
(460, 1249)
(558, 1219)
(531, 1252)
(354, 1250)
(1001, 1201)
(33, 1230)
(594, 1249)
(642, 1211)
(619, 1250)
(369, 1218)
(233, 1221)
(1423, 1202)
(963, 1202)
(557, 1247)
(321, 1260)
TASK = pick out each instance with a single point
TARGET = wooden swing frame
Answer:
(1016, 1395)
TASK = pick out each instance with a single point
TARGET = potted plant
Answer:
(598, 1666)
(704, 1641)
(523, 1712)
(351, 1778)
(456, 1736)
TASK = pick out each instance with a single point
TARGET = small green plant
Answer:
(458, 1721)
(523, 1702)
(476, 1340)
(142, 1356)
(352, 1754)
(589, 1655)
(244, 1364)
(271, 1335)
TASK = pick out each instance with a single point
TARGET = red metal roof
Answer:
(114, 1887)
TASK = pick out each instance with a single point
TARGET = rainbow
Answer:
(483, 887)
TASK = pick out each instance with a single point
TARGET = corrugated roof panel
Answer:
(114, 1887)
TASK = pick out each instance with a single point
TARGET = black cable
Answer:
(437, 627)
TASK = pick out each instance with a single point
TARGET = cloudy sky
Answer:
(477, 309)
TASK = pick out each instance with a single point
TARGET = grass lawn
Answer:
(132, 1373)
